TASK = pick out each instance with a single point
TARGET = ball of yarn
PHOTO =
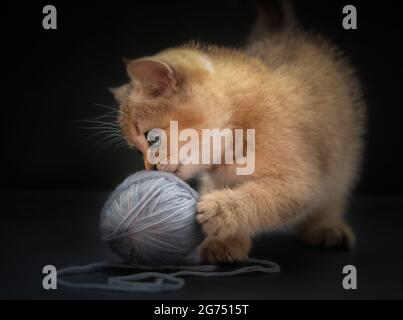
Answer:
(150, 220)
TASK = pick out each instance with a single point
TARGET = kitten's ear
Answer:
(154, 76)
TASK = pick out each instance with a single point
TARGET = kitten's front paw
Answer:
(217, 215)
(213, 250)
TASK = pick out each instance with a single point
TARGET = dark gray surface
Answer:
(61, 228)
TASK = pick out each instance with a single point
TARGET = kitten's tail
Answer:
(273, 16)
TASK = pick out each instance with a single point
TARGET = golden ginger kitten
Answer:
(299, 94)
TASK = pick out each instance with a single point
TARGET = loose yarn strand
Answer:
(140, 282)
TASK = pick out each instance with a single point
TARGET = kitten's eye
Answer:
(153, 139)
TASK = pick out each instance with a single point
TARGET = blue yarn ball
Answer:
(150, 220)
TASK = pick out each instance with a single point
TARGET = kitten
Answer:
(303, 100)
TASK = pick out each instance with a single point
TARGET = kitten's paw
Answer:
(213, 250)
(217, 216)
(328, 235)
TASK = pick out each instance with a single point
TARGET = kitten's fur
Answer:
(304, 101)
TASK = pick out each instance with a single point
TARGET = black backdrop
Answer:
(53, 78)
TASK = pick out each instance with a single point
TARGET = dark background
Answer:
(55, 179)
(53, 78)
